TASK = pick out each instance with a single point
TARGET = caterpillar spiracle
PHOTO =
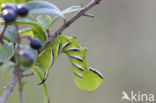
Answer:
(85, 77)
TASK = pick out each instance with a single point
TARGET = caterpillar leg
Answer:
(44, 78)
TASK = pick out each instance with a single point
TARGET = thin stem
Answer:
(18, 40)
(2, 34)
(29, 37)
(48, 32)
(88, 15)
(28, 75)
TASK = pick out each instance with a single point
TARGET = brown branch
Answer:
(29, 37)
(88, 15)
(28, 75)
(2, 34)
(73, 19)
(18, 39)
(8, 89)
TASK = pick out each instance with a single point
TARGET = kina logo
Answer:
(137, 97)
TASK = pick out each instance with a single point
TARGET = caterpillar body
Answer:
(84, 77)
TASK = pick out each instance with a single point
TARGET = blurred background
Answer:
(120, 42)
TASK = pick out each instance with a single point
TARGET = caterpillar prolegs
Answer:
(84, 77)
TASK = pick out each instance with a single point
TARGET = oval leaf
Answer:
(6, 68)
(37, 30)
(71, 9)
(66, 11)
(4, 1)
(6, 52)
(44, 21)
(10, 33)
(43, 7)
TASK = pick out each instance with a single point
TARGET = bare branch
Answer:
(27, 75)
(8, 89)
(73, 19)
(18, 65)
(2, 34)
(88, 15)
(29, 37)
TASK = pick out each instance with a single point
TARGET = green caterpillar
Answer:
(84, 77)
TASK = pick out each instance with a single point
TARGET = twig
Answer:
(73, 19)
(48, 32)
(27, 75)
(29, 37)
(2, 34)
(18, 65)
(8, 89)
(88, 15)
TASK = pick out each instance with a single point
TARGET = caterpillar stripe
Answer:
(84, 77)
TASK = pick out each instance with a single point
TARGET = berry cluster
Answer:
(26, 58)
(11, 11)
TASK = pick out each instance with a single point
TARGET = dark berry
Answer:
(35, 44)
(9, 15)
(9, 6)
(22, 10)
(26, 59)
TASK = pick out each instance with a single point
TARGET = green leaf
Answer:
(6, 52)
(38, 30)
(6, 68)
(28, 0)
(72, 9)
(44, 60)
(26, 31)
(43, 7)
(44, 21)
(18, 1)
(5, 1)
(23, 1)
(10, 33)
(39, 33)
(23, 21)
(66, 11)
(44, 86)
(35, 32)
(27, 21)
